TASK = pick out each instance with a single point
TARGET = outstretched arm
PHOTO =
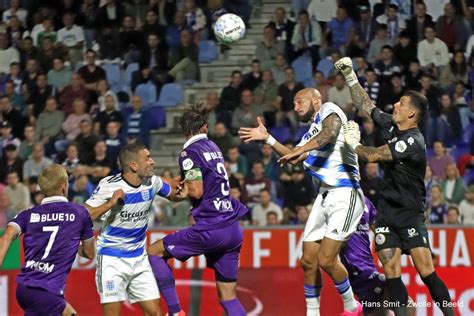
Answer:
(8, 237)
(360, 98)
(374, 154)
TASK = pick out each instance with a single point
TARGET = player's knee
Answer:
(326, 262)
(309, 263)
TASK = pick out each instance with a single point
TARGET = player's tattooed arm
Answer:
(361, 99)
(374, 154)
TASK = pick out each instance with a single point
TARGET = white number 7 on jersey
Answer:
(54, 230)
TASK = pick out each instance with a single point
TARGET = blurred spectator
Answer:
(39, 95)
(455, 71)
(60, 76)
(429, 183)
(413, 76)
(416, 25)
(433, 95)
(15, 77)
(405, 50)
(299, 190)
(439, 161)
(10, 162)
(15, 9)
(15, 31)
(340, 95)
(113, 140)
(165, 10)
(46, 54)
(173, 30)
(17, 193)
(230, 97)
(27, 51)
(155, 56)
(242, 8)
(386, 66)
(432, 52)
(15, 97)
(322, 10)
(152, 25)
(270, 164)
(88, 16)
(35, 163)
(272, 219)
(47, 32)
(451, 28)
(466, 207)
(102, 91)
(195, 20)
(111, 14)
(254, 183)
(453, 217)
(145, 74)
(278, 70)
(266, 95)
(223, 139)
(184, 59)
(371, 85)
(395, 23)
(266, 205)
(364, 28)
(307, 38)
(70, 126)
(131, 41)
(284, 29)
(238, 163)
(71, 38)
(341, 29)
(253, 78)
(380, 40)
(91, 73)
(452, 185)
(76, 90)
(11, 115)
(450, 128)
(302, 215)
(437, 210)
(26, 147)
(322, 85)
(212, 103)
(286, 94)
(246, 114)
(269, 47)
(49, 125)
(110, 113)
(371, 182)
(72, 158)
(390, 94)
(6, 137)
(137, 123)
(100, 166)
(78, 192)
(8, 55)
(86, 141)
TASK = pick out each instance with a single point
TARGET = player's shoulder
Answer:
(111, 181)
(414, 137)
(328, 108)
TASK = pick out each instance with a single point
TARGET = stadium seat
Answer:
(157, 116)
(458, 151)
(127, 76)
(112, 72)
(147, 92)
(325, 66)
(207, 52)
(309, 83)
(303, 69)
(468, 131)
(171, 95)
(281, 134)
(122, 91)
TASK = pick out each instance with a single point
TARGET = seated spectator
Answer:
(381, 40)
(340, 95)
(223, 139)
(78, 192)
(341, 29)
(71, 38)
(437, 209)
(455, 71)
(286, 95)
(433, 95)
(364, 28)
(268, 48)
(184, 59)
(47, 32)
(10, 162)
(31, 72)
(253, 78)
(256, 182)
(26, 146)
(8, 54)
(439, 161)
(278, 70)
(27, 51)
(137, 123)
(391, 93)
(452, 185)
(371, 182)
(451, 28)
(466, 207)
(298, 191)
(416, 25)
(412, 76)
(49, 125)
(39, 95)
(102, 91)
(15, 31)
(91, 73)
(11, 115)
(86, 141)
(76, 90)
(88, 16)
(395, 23)
(307, 37)
(15, 77)
(453, 217)
(110, 113)
(371, 85)
(302, 215)
(131, 41)
(47, 53)
(322, 85)
(266, 205)
(230, 97)
(386, 66)
(59, 77)
(6, 137)
(15, 9)
(405, 50)
(432, 52)
(155, 55)
(16, 98)
(17, 193)
(429, 183)
(35, 163)
(212, 103)
(238, 164)
(266, 95)
(284, 29)
(152, 25)
(270, 164)
(113, 140)
(449, 129)
(100, 166)
(195, 20)
(70, 126)
(173, 30)
(272, 219)
(246, 114)
(72, 158)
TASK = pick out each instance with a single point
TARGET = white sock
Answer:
(312, 306)
(345, 290)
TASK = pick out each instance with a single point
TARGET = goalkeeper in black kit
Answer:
(400, 223)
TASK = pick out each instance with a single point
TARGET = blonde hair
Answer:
(51, 178)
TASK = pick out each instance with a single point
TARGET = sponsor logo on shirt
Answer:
(223, 205)
(412, 232)
(52, 217)
(382, 230)
(134, 217)
(212, 155)
(187, 164)
(44, 267)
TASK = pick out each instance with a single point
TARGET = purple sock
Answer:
(233, 307)
(165, 280)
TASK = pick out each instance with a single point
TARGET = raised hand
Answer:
(351, 133)
(248, 134)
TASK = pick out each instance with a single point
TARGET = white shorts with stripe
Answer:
(119, 279)
(335, 214)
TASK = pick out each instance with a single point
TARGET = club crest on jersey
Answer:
(96, 190)
(187, 164)
(145, 195)
(400, 146)
(110, 285)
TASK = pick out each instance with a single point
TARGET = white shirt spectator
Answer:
(71, 37)
(383, 19)
(322, 10)
(435, 53)
(8, 56)
(312, 38)
(466, 210)
(20, 14)
(259, 213)
(469, 45)
(340, 97)
(38, 28)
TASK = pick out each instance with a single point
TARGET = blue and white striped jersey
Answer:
(335, 164)
(123, 233)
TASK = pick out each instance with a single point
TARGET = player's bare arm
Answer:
(6, 240)
(96, 212)
(87, 249)
(374, 154)
(193, 183)
(331, 127)
(360, 98)
(178, 189)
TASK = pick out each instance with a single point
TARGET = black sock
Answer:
(398, 296)
(439, 292)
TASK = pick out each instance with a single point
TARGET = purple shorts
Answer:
(37, 301)
(221, 247)
(368, 286)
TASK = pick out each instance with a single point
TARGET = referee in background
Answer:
(400, 224)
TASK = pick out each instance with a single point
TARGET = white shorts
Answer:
(119, 279)
(335, 214)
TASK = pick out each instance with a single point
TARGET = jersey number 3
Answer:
(52, 237)
(224, 186)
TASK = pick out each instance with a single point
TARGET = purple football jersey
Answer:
(52, 232)
(216, 208)
(356, 254)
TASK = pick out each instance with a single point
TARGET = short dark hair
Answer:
(419, 101)
(128, 153)
(453, 207)
(10, 147)
(393, 6)
(303, 12)
(387, 47)
(194, 117)
(236, 72)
